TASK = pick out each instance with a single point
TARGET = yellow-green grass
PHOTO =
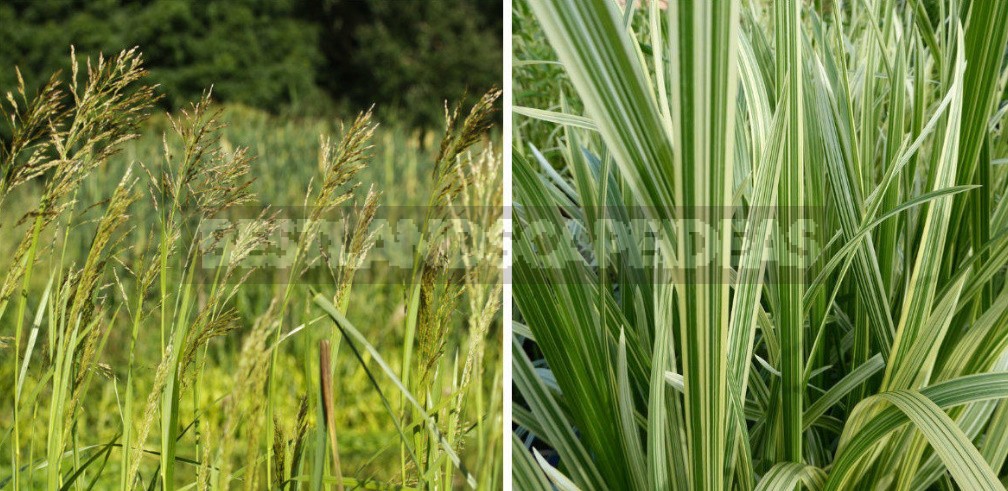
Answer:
(236, 425)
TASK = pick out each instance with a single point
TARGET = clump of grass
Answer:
(134, 333)
(432, 391)
(765, 253)
(65, 142)
(481, 252)
(248, 414)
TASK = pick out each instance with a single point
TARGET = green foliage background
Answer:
(299, 56)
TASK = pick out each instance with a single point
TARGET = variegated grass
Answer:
(874, 357)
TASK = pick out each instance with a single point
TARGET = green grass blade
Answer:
(351, 332)
(555, 426)
(556, 117)
(838, 391)
(925, 276)
(598, 53)
(857, 444)
(527, 474)
(963, 460)
(791, 246)
(786, 476)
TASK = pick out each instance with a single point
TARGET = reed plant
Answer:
(769, 253)
(161, 351)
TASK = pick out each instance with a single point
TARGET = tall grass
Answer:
(130, 363)
(769, 253)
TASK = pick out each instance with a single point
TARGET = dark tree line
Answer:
(299, 56)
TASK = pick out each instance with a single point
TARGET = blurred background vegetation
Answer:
(302, 57)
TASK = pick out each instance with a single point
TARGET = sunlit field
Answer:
(129, 360)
